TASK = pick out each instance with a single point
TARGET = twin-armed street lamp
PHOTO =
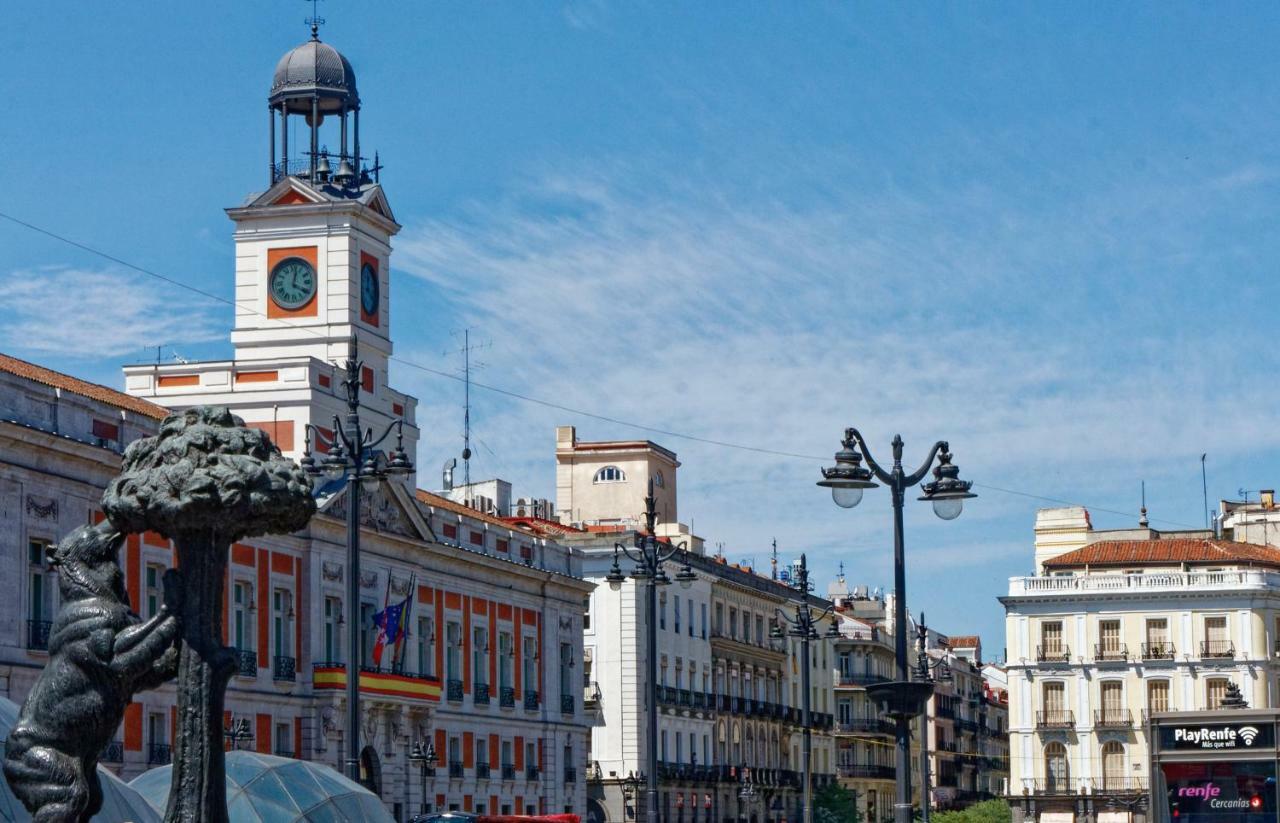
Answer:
(903, 698)
(423, 755)
(930, 671)
(352, 453)
(801, 625)
(649, 554)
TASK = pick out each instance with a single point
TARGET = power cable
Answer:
(508, 392)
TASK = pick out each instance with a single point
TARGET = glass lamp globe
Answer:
(846, 497)
(948, 508)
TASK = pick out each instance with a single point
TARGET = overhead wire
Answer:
(515, 395)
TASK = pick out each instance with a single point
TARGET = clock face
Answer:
(368, 290)
(293, 283)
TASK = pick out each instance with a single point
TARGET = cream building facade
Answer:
(1114, 625)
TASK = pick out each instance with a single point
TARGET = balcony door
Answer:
(1055, 702)
(1113, 774)
(1112, 701)
(1057, 777)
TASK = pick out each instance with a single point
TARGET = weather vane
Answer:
(315, 21)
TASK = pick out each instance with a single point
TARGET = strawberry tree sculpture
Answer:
(204, 482)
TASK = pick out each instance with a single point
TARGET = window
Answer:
(507, 759)
(503, 545)
(154, 573)
(39, 605)
(658, 479)
(241, 624)
(423, 642)
(675, 613)
(566, 671)
(689, 607)
(746, 628)
(282, 617)
(1113, 774)
(662, 611)
(1158, 645)
(586, 613)
(1051, 639)
(1216, 643)
(480, 656)
(1112, 701)
(733, 623)
(1057, 778)
(453, 651)
(530, 662)
(1157, 695)
(719, 625)
(610, 474)
(367, 611)
(1109, 635)
(506, 651)
(1055, 702)
(332, 608)
(477, 538)
(760, 631)
(482, 750)
(702, 608)
(1215, 689)
(284, 741)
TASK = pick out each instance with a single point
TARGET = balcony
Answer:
(482, 771)
(1053, 653)
(283, 669)
(530, 700)
(508, 771)
(113, 752)
(283, 751)
(506, 697)
(1050, 786)
(867, 772)
(453, 691)
(1110, 652)
(1105, 585)
(480, 694)
(456, 769)
(1119, 785)
(246, 663)
(1159, 650)
(570, 774)
(1113, 719)
(866, 725)
(567, 704)
(531, 773)
(1055, 720)
(38, 635)
(861, 679)
(159, 754)
(1217, 649)
(591, 695)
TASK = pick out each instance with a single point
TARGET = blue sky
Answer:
(1045, 233)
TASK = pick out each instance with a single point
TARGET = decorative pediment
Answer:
(387, 510)
(288, 192)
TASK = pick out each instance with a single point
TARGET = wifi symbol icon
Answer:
(1247, 734)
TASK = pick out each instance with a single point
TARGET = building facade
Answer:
(729, 693)
(488, 672)
(1114, 626)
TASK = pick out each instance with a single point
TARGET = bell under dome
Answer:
(314, 70)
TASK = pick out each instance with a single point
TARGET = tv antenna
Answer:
(467, 366)
(773, 563)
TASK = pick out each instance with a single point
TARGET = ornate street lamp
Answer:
(801, 625)
(930, 671)
(848, 479)
(630, 788)
(237, 730)
(649, 555)
(423, 755)
(353, 454)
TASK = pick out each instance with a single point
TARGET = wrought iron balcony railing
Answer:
(283, 668)
(159, 754)
(1219, 649)
(531, 773)
(480, 694)
(113, 752)
(482, 771)
(455, 769)
(506, 697)
(246, 663)
(867, 771)
(1113, 719)
(591, 695)
(1057, 719)
(567, 704)
(508, 771)
(1158, 651)
(1110, 652)
(570, 774)
(38, 635)
(530, 700)
(453, 691)
(1053, 653)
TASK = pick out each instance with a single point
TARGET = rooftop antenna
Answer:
(315, 21)
(1142, 516)
(841, 571)
(1204, 487)
(773, 571)
(465, 351)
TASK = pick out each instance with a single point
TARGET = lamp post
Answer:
(237, 730)
(925, 669)
(353, 455)
(847, 479)
(630, 787)
(649, 554)
(423, 754)
(801, 625)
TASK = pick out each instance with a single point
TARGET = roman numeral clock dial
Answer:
(293, 283)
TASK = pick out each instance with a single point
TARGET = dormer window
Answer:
(610, 474)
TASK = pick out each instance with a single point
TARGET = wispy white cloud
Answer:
(94, 313)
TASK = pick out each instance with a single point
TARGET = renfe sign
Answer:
(1235, 736)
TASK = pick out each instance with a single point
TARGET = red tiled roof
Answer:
(964, 641)
(445, 503)
(1166, 550)
(84, 388)
(541, 526)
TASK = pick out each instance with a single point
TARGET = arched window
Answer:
(610, 474)
(1113, 775)
(1057, 778)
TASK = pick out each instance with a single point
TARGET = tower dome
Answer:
(314, 70)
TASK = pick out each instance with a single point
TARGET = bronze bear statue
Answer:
(100, 654)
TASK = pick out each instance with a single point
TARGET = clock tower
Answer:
(312, 270)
